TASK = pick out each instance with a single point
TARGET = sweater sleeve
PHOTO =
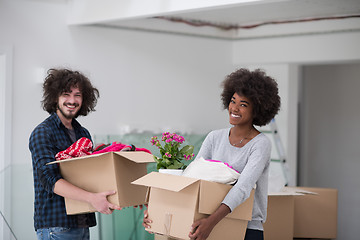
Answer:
(206, 147)
(258, 160)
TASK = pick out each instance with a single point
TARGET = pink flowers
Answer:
(169, 137)
(188, 157)
(155, 141)
(171, 154)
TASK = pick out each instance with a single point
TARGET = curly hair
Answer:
(59, 81)
(261, 90)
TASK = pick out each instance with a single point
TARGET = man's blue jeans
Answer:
(61, 233)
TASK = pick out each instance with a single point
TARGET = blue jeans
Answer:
(252, 234)
(61, 233)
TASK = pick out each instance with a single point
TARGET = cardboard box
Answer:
(162, 237)
(105, 172)
(301, 212)
(175, 202)
(315, 215)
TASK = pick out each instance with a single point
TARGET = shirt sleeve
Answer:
(258, 159)
(43, 152)
(206, 147)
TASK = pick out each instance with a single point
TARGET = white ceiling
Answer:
(276, 11)
(268, 18)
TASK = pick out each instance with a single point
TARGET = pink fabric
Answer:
(211, 160)
(115, 147)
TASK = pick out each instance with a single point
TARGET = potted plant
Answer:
(171, 153)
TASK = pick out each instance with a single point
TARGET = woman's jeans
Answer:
(254, 234)
(61, 233)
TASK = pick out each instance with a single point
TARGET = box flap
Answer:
(300, 190)
(173, 212)
(77, 158)
(138, 157)
(165, 181)
(212, 194)
(291, 191)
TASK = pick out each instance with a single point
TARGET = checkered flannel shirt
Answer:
(47, 139)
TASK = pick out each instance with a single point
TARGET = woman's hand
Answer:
(201, 229)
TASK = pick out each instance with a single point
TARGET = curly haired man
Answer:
(67, 94)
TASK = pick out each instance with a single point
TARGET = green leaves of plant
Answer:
(171, 154)
(187, 150)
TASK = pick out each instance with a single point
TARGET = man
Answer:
(67, 94)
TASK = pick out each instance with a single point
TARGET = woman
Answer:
(251, 98)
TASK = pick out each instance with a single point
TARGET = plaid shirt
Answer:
(47, 139)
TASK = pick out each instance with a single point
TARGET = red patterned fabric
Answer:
(81, 147)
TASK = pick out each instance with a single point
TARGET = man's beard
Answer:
(70, 115)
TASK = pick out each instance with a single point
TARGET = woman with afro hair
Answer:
(251, 98)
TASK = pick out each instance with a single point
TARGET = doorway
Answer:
(329, 132)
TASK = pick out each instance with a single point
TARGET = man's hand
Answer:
(139, 206)
(97, 200)
(146, 220)
(101, 204)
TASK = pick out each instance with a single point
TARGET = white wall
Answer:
(307, 49)
(2, 130)
(5, 138)
(146, 81)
